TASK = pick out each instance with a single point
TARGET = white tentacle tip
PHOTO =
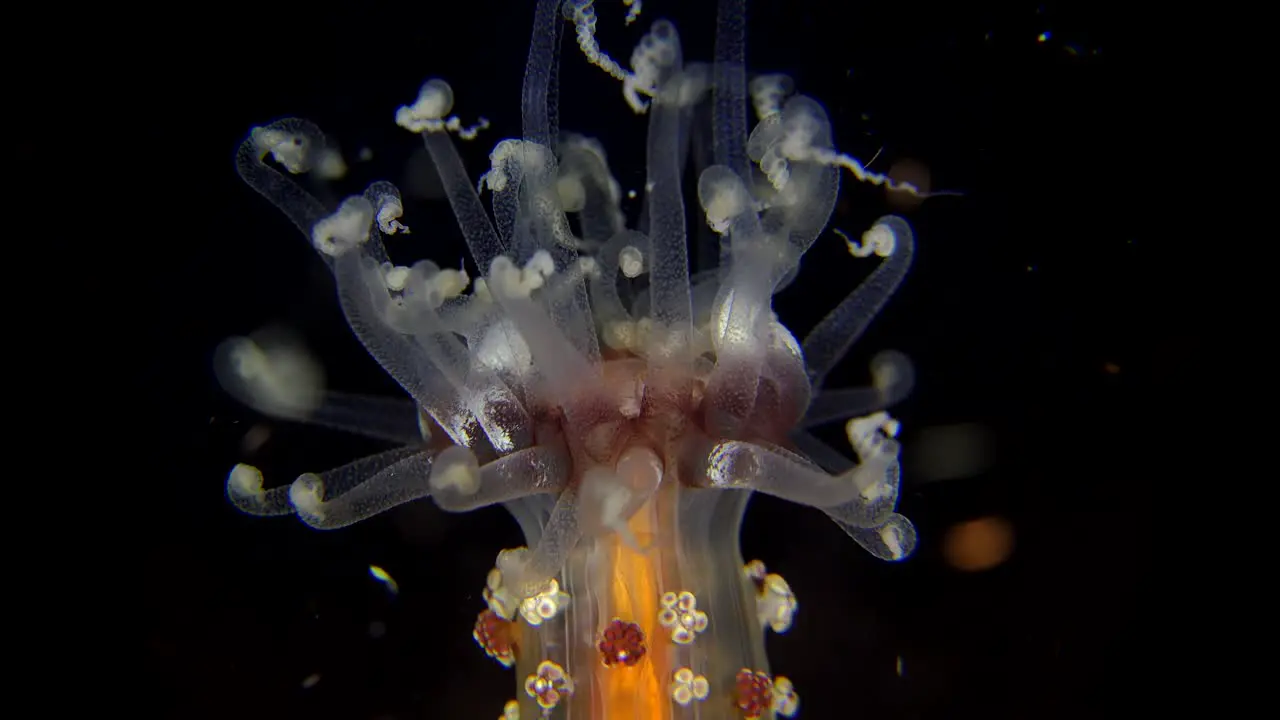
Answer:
(307, 495)
(456, 469)
(244, 481)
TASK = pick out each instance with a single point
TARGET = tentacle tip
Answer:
(244, 482)
(307, 495)
(899, 538)
(890, 368)
(456, 469)
(513, 566)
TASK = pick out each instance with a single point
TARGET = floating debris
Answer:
(385, 578)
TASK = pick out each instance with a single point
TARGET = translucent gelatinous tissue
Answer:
(620, 405)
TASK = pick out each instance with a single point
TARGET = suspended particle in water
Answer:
(385, 578)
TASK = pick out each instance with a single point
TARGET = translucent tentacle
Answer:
(364, 298)
(862, 496)
(582, 163)
(527, 172)
(604, 282)
(741, 310)
(570, 309)
(531, 513)
(743, 316)
(730, 123)
(506, 199)
(460, 484)
(341, 497)
(819, 453)
(536, 97)
(608, 498)
(892, 379)
(527, 572)
(295, 144)
(806, 201)
(563, 366)
(783, 394)
(893, 540)
(483, 242)
(381, 418)
(244, 486)
(836, 333)
(493, 404)
(668, 261)
(364, 290)
(892, 537)
(280, 380)
(244, 489)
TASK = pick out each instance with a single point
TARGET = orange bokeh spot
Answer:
(978, 544)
